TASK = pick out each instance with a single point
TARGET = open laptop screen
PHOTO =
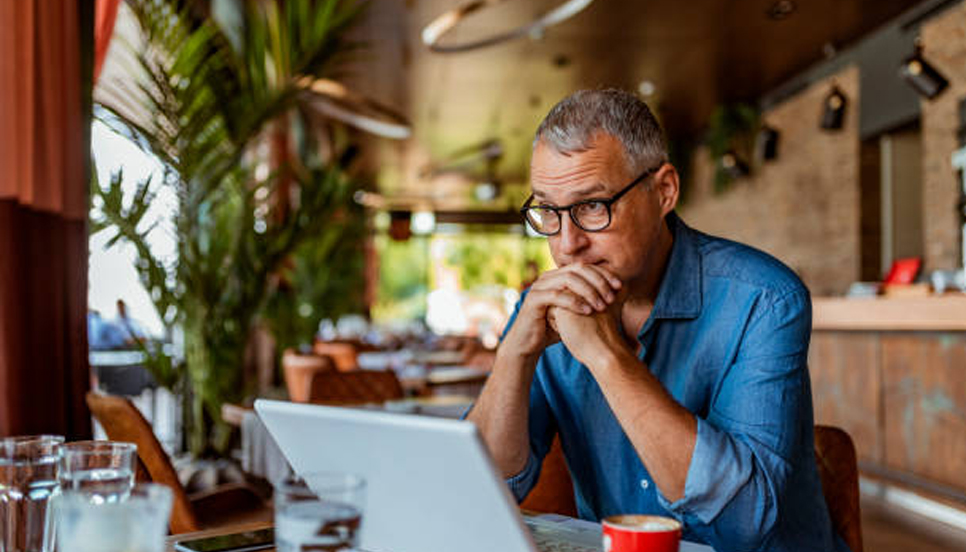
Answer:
(431, 486)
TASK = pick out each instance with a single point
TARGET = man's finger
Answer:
(612, 280)
(599, 278)
(566, 299)
(585, 283)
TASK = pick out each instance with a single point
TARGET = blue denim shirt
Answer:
(728, 338)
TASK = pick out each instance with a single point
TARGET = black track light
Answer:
(766, 143)
(833, 111)
(733, 166)
(921, 75)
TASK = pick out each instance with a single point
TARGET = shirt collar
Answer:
(679, 295)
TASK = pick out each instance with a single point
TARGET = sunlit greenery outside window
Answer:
(462, 279)
(403, 279)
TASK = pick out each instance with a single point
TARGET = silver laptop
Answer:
(431, 485)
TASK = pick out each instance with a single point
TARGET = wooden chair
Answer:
(839, 472)
(298, 369)
(359, 386)
(344, 354)
(554, 491)
(226, 505)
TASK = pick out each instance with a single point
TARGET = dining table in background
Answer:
(262, 457)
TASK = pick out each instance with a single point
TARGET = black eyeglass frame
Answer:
(569, 208)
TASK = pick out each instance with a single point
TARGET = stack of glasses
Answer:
(83, 492)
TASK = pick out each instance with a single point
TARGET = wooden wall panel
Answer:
(924, 405)
(844, 368)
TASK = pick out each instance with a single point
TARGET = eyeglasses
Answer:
(590, 215)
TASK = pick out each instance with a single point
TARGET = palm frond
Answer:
(214, 90)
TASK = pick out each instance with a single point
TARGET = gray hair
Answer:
(574, 123)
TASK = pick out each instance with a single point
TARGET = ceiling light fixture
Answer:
(334, 100)
(434, 31)
(733, 165)
(921, 75)
(372, 200)
(646, 88)
(767, 143)
(486, 152)
(423, 223)
(833, 109)
(781, 10)
(486, 191)
(560, 61)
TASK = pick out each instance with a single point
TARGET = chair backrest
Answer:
(359, 386)
(344, 354)
(554, 491)
(122, 421)
(839, 472)
(298, 369)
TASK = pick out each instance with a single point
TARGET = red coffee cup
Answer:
(638, 533)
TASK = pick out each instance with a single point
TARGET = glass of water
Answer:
(139, 523)
(319, 511)
(104, 470)
(28, 479)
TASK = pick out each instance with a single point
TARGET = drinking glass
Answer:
(319, 511)
(139, 523)
(28, 479)
(104, 470)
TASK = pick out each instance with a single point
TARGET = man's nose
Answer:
(572, 239)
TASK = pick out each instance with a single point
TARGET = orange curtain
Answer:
(41, 135)
(105, 14)
(46, 58)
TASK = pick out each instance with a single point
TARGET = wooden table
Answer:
(234, 414)
(448, 380)
(169, 542)
(261, 456)
(438, 358)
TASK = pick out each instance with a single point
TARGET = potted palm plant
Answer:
(730, 138)
(215, 89)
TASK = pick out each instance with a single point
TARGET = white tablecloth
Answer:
(260, 454)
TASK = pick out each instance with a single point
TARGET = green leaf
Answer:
(214, 89)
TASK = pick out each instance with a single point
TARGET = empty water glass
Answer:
(28, 479)
(139, 523)
(104, 470)
(319, 511)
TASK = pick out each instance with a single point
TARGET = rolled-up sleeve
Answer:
(521, 483)
(747, 444)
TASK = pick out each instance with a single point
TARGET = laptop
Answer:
(431, 484)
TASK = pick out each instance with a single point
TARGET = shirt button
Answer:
(645, 484)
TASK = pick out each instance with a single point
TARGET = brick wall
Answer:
(803, 207)
(944, 42)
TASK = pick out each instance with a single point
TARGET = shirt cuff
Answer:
(521, 483)
(718, 471)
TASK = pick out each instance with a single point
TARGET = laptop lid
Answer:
(431, 485)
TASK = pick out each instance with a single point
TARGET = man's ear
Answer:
(667, 183)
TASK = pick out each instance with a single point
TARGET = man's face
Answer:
(637, 218)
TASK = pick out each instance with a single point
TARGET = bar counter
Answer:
(942, 313)
(892, 372)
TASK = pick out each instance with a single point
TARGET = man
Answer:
(672, 364)
(103, 335)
